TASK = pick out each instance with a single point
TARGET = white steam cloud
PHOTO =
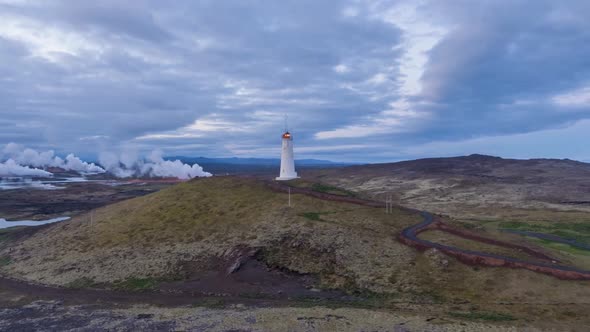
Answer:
(11, 168)
(29, 157)
(129, 165)
(17, 161)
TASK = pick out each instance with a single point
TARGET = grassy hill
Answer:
(207, 219)
(197, 233)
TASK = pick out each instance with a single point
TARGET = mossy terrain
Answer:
(315, 216)
(5, 235)
(130, 284)
(136, 284)
(184, 213)
(485, 316)
(135, 244)
(321, 187)
(81, 283)
(207, 219)
(578, 231)
(560, 246)
(4, 261)
(324, 188)
(460, 242)
(74, 198)
(569, 225)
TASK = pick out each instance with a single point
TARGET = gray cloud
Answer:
(359, 80)
(514, 57)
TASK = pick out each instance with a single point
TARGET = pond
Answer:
(6, 224)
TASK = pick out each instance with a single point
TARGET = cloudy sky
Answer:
(359, 80)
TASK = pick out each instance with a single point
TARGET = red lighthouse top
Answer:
(287, 135)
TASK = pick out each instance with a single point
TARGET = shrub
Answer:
(136, 284)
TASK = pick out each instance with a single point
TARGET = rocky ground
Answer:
(471, 187)
(227, 254)
(73, 199)
(54, 315)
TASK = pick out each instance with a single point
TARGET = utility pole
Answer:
(388, 204)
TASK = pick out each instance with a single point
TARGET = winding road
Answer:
(409, 236)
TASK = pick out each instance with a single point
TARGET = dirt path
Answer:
(16, 292)
(409, 237)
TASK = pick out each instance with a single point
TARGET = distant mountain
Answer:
(256, 161)
(236, 165)
(458, 185)
(475, 165)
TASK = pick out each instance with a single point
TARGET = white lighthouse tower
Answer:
(287, 159)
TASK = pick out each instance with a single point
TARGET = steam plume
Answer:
(10, 168)
(15, 160)
(128, 165)
(30, 157)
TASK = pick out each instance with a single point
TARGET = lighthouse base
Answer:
(286, 178)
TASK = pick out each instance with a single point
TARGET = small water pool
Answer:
(7, 224)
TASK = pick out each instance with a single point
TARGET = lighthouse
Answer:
(287, 159)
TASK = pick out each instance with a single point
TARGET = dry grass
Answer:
(347, 246)
(567, 224)
(483, 194)
(149, 236)
(459, 242)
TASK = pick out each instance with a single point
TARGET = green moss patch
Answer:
(561, 246)
(136, 284)
(315, 216)
(5, 260)
(323, 188)
(579, 231)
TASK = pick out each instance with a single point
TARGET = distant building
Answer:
(287, 159)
